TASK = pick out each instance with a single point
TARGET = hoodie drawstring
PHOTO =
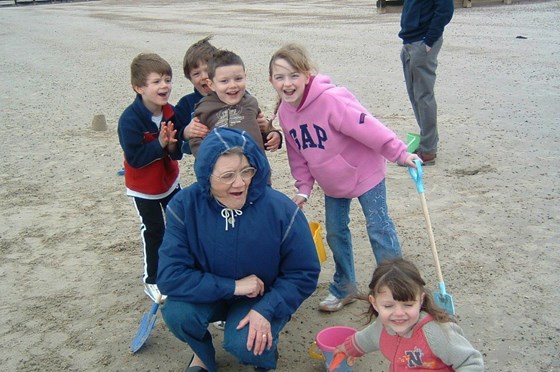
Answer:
(229, 215)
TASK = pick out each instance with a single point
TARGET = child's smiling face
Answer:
(229, 83)
(400, 316)
(199, 78)
(155, 93)
(288, 82)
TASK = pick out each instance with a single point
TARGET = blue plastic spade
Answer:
(441, 298)
(146, 326)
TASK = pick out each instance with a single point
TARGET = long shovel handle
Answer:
(416, 174)
(431, 236)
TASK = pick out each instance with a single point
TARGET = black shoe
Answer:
(195, 368)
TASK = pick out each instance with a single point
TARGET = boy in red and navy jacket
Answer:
(148, 136)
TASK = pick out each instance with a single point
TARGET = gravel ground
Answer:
(71, 265)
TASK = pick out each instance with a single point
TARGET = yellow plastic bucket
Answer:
(318, 239)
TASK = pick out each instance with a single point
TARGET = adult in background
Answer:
(236, 250)
(422, 24)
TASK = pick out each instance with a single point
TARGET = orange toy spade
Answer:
(337, 359)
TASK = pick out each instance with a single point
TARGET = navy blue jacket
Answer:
(186, 104)
(425, 20)
(185, 107)
(149, 169)
(202, 254)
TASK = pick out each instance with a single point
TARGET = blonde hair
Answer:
(296, 55)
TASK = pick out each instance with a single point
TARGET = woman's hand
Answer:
(251, 286)
(260, 334)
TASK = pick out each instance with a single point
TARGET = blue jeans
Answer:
(380, 228)
(189, 323)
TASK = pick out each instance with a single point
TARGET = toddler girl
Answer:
(410, 330)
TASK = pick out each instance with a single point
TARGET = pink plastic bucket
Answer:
(327, 341)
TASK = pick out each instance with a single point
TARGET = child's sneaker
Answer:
(332, 303)
(152, 291)
(220, 324)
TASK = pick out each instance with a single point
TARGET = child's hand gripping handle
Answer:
(416, 174)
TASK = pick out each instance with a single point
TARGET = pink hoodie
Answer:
(332, 139)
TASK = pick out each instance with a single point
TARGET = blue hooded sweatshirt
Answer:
(424, 20)
(203, 253)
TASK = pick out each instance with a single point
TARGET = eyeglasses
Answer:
(230, 177)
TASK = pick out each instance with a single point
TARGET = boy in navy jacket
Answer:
(148, 136)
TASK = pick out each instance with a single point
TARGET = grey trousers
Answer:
(419, 69)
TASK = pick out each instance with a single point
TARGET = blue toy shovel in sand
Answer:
(146, 326)
(442, 298)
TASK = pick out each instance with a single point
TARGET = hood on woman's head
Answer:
(220, 140)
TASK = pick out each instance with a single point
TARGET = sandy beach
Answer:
(70, 268)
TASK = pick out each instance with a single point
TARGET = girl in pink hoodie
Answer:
(332, 139)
